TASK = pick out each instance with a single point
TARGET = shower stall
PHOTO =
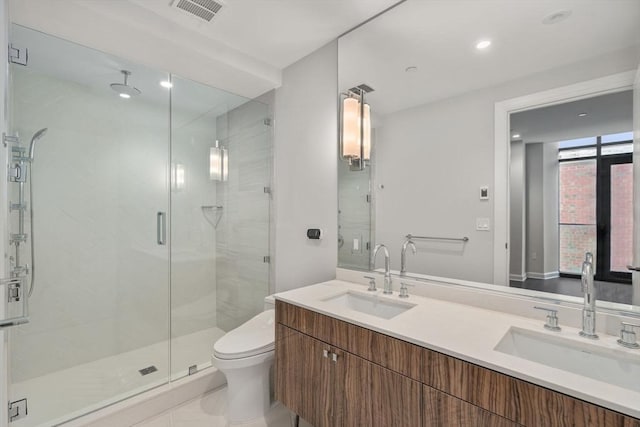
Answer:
(150, 225)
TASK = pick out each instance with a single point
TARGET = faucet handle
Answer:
(628, 336)
(552, 319)
(404, 291)
(372, 283)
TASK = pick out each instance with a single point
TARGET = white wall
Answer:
(541, 210)
(305, 174)
(551, 212)
(435, 157)
(517, 212)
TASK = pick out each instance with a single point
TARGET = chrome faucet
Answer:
(403, 255)
(387, 267)
(589, 290)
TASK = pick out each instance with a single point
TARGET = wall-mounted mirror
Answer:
(437, 71)
(571, 192)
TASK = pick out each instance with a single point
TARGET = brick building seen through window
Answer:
(578, 181)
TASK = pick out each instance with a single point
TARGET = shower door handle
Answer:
(161, 228)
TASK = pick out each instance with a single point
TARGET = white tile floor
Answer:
(209, 411)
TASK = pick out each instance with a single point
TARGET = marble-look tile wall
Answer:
(242, 239)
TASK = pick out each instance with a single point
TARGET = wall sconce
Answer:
(218, 163)
(177, 176)
(355, 127)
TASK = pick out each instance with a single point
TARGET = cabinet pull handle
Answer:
(334, 357)
(325, 353)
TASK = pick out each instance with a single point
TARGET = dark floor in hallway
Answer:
(605, 291)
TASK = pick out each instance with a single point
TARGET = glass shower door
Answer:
(99, 323)
(220, 157)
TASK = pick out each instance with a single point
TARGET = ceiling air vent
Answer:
(203, 9)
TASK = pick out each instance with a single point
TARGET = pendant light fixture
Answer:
(355, 127)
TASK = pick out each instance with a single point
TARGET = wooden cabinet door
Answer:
(395, 399)
(303, 376)
(351, 377)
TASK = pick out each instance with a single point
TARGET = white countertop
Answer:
(471, 334)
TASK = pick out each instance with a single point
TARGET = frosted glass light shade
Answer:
(177, 178)
(218, 164)
(351, 128)
(366, 134)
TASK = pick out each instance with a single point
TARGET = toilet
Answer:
(245, 356)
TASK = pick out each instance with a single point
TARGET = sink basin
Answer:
(599, 363)
(369, 304)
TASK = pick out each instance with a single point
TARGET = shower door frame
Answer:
(4, 85)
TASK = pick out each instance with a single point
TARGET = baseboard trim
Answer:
(518, 277)
(543, 276)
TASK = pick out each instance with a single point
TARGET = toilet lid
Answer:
(255, 336)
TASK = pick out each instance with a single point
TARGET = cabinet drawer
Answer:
(514, 399)
(394, 354)
(442, 410)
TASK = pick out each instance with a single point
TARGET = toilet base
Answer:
(247, 386)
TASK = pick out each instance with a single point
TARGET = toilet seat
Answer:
(254, 337)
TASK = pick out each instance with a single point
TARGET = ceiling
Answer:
(243, 49)
(277, 32)
(606, 114)
(438, 37)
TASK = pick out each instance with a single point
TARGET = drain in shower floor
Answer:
(148, 370)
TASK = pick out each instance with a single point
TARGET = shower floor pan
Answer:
(59, 396)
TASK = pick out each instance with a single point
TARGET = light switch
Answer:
(482, 224)
(356, 244)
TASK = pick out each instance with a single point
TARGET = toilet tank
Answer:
(269, 303)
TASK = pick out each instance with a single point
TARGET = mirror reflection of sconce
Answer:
(177, 176)
(355, 127)
(218, 163)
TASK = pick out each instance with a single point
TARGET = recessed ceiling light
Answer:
(582, 115)
(555, 17)
(125, 95)
(483, 44)
(411, 69)
(516, 136)
(166, 84)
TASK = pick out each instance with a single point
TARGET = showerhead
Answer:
(34, 139)
(124, 89)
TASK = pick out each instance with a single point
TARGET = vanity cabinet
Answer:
(330, 386)
(513, 399)
(442, 409)
(377, 380)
